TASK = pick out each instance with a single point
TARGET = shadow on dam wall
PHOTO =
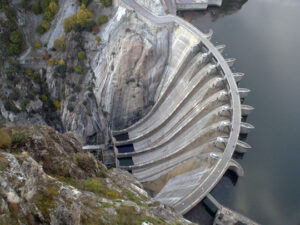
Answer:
(228, 7)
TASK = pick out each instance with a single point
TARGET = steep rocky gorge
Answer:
(118, 85)
(130, 67)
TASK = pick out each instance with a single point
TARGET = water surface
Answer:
(264, 35)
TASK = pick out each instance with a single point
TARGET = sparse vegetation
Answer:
(78, 69)
(57, 104)
(49, 9)
(45, 199)
(38, 45)
(59, 44)
(80, 21)
(51, 62)
(45, 25)
(61, 62)
(19, 139)
(44, 98)
(102, 20)
(81, 55)
(98, 186)
(5, 139)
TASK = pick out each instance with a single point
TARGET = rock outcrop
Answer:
(119, 78)
(130, 67)
(46, 178)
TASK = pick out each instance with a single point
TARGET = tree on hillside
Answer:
(15, 37)
(102, 20)
(83, 20)
(45, 4)
(84, 15)
(53, 7)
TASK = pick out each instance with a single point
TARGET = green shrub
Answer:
(40, 29)
(85, 162)
(56, 104)
(46, 199)
(51, 62)
(45, 25)
(81, 55)
(53, 7)
(93, 185)
(48, 15)
(15, 37)
(82, 20)
(19, 139)
(102, 20)
(69, 23)
(45, 4)
(112, 194)
(38, 45)
(78, 69)
(14, 49)
(5, 139)
(59, 44)
(44, 98)
(9, 106)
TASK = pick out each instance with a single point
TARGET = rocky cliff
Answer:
(130, 67)
(114, 85)
(46, 178)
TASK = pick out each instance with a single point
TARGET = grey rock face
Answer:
(49, 179)
(130, 68)
(120, 77)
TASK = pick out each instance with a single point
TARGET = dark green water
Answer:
(264, 35)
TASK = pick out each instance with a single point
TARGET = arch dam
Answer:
(181, 149)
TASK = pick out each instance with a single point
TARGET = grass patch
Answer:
(98, 186)
(46, 199)
(19, 139)
(5, 139)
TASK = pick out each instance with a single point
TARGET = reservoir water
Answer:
(264, 36)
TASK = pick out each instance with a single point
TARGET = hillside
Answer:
(46, 178)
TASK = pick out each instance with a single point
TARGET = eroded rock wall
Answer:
(130, 68)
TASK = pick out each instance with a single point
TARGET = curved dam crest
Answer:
(184, 145)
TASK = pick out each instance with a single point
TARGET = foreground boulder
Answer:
(46, 178)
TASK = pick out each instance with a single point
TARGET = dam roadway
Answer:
(207, 179)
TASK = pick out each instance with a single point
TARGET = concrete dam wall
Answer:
(184, 145)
